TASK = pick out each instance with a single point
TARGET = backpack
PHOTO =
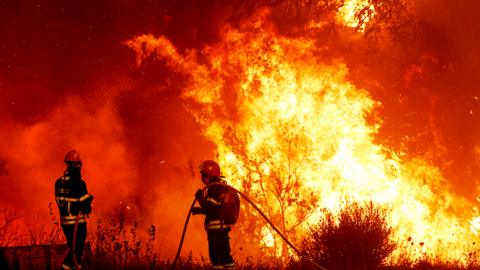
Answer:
(229, 206)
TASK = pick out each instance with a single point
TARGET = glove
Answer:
(197, 211)
(199, 195)
(87, 210)
(87, 206)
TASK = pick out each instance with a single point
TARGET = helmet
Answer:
(210, 168)
(72, 158)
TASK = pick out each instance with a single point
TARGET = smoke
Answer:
(34, 153)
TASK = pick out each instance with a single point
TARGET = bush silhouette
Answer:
(358, 237)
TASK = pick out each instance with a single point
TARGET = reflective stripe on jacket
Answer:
(216, 225)
(68, 220)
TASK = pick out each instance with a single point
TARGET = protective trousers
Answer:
(68, 230)
(219, 249)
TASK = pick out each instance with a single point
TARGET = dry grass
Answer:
(358, 239)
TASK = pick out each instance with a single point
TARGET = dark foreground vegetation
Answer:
(359, 238)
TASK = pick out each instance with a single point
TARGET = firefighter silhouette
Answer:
(216, 227)
(74, 204)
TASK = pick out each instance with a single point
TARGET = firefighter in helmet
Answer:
(217, 229)
(74, 204)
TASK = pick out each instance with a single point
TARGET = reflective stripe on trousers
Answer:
(66, 267)
(230, 266)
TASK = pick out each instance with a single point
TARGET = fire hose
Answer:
(299, 253)
(72, 248)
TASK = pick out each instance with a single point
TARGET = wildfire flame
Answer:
(356, 13)
(292, 132)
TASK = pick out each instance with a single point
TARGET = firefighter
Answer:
(74, 204)
(217, 229)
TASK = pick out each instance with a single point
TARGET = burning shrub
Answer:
(358, 237)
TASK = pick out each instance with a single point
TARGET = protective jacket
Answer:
(72, 197)
(211, 208)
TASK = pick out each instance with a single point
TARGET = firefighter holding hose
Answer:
(74, 204)
(220, 206)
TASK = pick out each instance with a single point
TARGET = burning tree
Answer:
(281, 193)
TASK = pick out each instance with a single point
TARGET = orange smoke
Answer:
(35, 154)
(295, 135)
